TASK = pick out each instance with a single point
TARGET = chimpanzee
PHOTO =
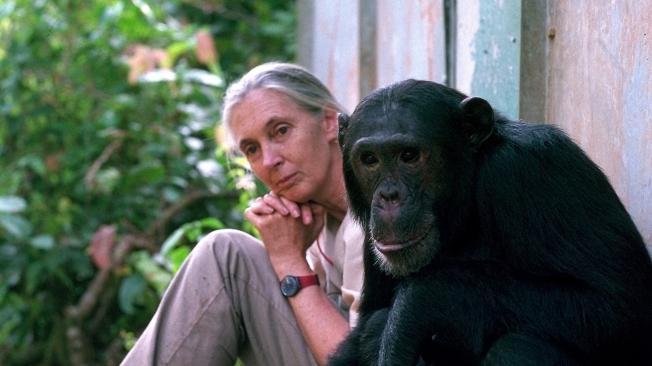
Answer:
(488, 241)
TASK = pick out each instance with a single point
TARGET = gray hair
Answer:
(292, 80)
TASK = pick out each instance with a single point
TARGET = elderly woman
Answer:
(290, 299)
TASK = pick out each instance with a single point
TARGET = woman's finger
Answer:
(276, 203)
(292, 207)
(249, 215)
(306, 214)
(259, 207)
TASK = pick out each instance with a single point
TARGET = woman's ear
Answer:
(331, 126)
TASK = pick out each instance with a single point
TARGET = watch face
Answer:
(289, 286)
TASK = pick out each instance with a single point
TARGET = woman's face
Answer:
(289, 149)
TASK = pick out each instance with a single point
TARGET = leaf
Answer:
(129, 294)
(151, 271)
(203, 77)
(206, 52)
(144, 175)
(192, 231)
(101, 248)
(172, 240)
(33, 162)
(7, 327)
(12, 204)
(176, 49)
(211, 223)
(33, 276)
(107, 179)
(171, 194)
(16, 226)
(210, 168)
(177, 256)
(198, 228)
(6, 9)
(157, 76)
(42, 242)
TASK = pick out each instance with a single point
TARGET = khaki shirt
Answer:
(336, 257)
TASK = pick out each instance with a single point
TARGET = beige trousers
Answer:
(223, 304)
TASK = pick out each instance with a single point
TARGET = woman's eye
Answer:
(283, 130)
(250, 150)
(409, 155)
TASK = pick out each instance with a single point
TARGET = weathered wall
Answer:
(584, 65)
(400, 39)
(599, 90)
(410, 41)
(331, 50)
(488, 51)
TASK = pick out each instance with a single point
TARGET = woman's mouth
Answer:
(286, 181)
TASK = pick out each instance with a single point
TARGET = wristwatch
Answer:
(291, 285)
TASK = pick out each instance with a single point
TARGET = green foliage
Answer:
(107, 110)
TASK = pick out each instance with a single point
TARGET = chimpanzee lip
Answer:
(387, 248)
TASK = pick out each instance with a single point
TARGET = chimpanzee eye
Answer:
(409, 155)
(368, 158)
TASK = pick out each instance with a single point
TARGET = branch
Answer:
(89, 177)
(190, 198)
(89, 299)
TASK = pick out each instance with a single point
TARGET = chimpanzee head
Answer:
(409, 152)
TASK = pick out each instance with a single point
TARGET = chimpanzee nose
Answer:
(389, 195)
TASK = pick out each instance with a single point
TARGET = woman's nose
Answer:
(271, 156)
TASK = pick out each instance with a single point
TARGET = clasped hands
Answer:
(287, 228)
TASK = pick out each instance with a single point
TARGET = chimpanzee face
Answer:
(400, 173)
(408, 158)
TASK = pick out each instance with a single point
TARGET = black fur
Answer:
(530, 257)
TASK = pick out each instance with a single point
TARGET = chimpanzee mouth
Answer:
(392, 247)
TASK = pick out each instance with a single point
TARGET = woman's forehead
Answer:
(260, 99)
(258, 109)
(256, 105)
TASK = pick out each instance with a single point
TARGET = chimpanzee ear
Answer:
(478, 120)
(343, 121)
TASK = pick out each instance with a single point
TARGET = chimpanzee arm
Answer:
(361, 346)
(465, 307)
